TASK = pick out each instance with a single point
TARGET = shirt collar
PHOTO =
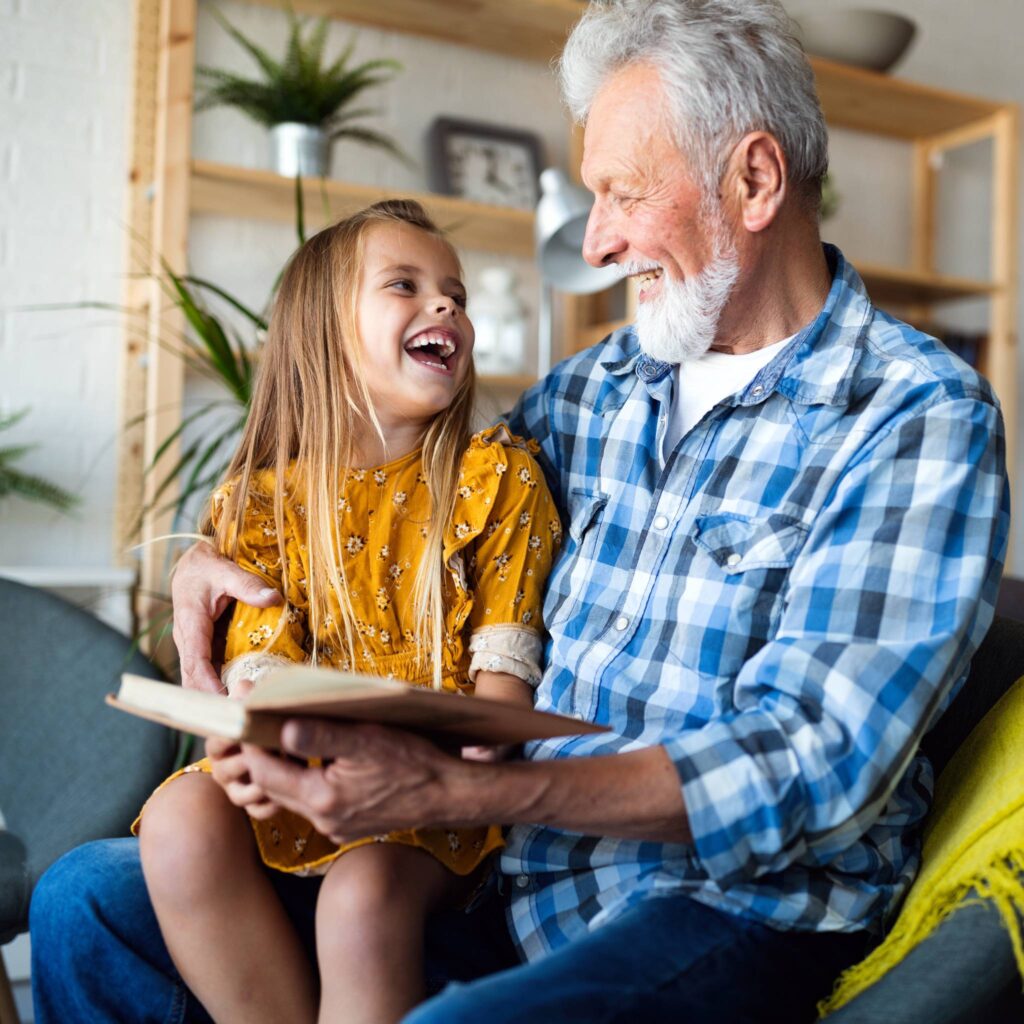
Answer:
(813, 369)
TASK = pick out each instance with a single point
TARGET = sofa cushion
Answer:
(973, 849)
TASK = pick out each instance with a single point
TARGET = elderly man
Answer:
(786, 517)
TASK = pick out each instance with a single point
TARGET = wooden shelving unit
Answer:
(242, 192)
(529, 29)
(166, 185)
(896, 286)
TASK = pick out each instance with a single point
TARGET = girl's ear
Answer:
(756, 178)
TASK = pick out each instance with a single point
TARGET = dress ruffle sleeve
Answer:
(261, 638)
(500, 546)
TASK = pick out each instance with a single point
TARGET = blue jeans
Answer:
(97, 956)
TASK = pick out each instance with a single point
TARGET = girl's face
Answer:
(416, 341)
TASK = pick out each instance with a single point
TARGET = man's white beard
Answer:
(680, 323)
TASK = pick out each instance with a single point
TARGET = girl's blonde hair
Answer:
(310, 400)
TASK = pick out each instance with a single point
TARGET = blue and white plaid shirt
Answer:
(784, 603)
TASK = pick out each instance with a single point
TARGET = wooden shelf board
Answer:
(243, 192)
(871, 102)
(896, 286)
(511, 381)
(530, 29)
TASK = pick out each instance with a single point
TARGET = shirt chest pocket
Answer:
(738, 546)
(575, 563)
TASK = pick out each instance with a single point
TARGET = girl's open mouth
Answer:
(432, 348)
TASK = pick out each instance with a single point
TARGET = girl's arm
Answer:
(504, 686)
(499, 686)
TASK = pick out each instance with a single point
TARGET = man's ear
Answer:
(756, 179)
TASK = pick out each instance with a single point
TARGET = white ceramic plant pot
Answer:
(299, 149)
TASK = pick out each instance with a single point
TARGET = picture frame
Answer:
(485, 163)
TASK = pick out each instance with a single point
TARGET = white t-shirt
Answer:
(700, 384)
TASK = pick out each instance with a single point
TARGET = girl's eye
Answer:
(404, 284)
(460, 300)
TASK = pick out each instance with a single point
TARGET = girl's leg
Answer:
(370, 919)
(224, 925)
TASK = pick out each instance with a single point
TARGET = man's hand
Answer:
(374, 779)
(203, 585)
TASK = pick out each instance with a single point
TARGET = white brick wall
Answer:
(64, 78)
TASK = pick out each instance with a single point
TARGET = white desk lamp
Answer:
(559, 227)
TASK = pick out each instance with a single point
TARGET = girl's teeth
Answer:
(446, 345)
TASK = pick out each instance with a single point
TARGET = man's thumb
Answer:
(305, 737)
(254, 592)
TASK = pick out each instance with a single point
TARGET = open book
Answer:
(305, 690)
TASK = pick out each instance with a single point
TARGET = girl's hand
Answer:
(241, 688)
(230, 769)
(499, 752)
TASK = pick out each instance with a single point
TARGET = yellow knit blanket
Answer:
(973, 846)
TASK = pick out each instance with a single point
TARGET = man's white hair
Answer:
(728, 67)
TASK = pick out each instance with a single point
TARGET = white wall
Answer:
(64, 71)
(64, 92)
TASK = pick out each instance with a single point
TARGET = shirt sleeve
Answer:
(510, 562)
(885, 604)
(260, 638)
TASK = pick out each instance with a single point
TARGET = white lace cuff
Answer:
(511, 648)
(251, 665)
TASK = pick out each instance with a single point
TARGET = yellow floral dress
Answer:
(498, 548)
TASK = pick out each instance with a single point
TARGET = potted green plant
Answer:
(829, 197)
(26, 485)
(306, 105)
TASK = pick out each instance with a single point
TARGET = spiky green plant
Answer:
(299, 88)
(216, 349)
(27, 485)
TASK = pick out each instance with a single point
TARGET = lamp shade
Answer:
(560, 225)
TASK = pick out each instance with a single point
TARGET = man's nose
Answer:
(602, 241)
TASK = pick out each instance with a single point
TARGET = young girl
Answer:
(403, 546)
